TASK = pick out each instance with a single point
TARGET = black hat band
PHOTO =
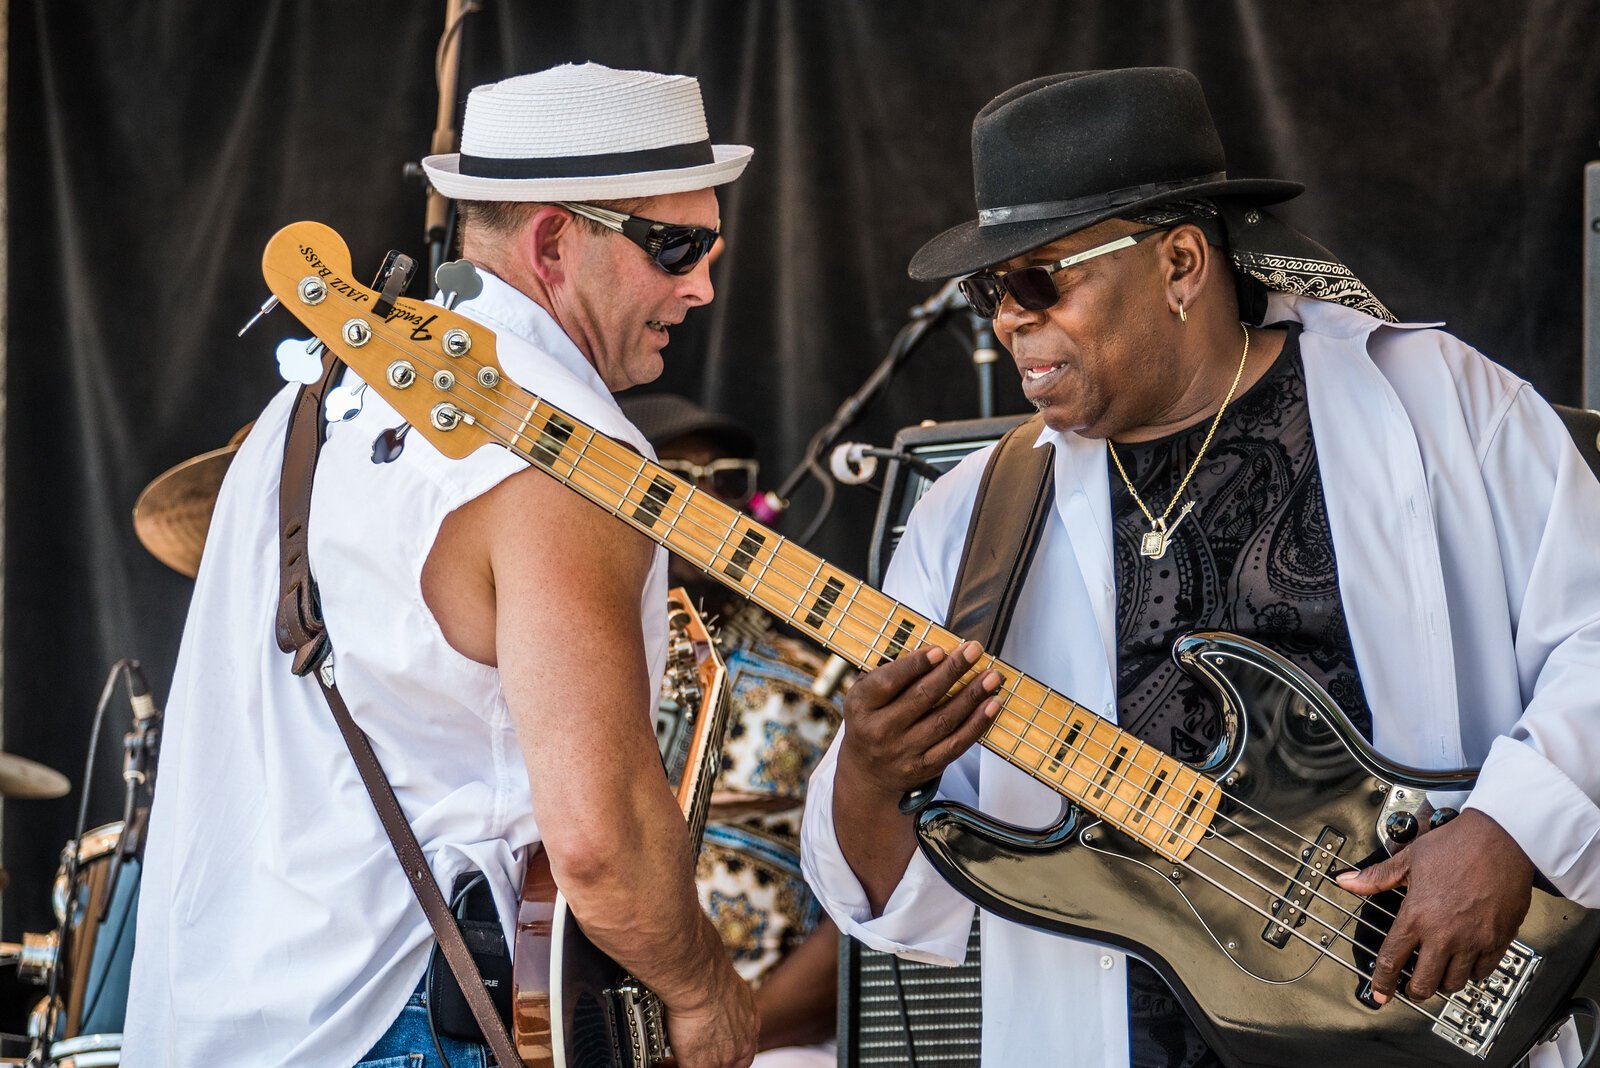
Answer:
(668, 157)
(1060, 209)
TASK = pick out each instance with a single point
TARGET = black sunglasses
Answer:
(673, 247)
(1034, 288)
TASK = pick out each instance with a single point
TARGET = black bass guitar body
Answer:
(1268, 954)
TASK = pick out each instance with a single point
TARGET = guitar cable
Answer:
(1583, 1006)
(905, 1010)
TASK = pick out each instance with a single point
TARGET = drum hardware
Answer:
(828, 680)
(34, 956)
(85, 963)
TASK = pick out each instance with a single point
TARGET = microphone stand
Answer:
(905, 343)
(439, 223)
(984, 354)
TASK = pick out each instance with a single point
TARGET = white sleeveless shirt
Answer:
(275, 925)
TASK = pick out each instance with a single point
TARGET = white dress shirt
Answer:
(276, 926)
(1465, 523)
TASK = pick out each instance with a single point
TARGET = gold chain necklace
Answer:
(1154, 543)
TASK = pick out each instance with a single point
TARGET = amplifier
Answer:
(892, 1011)
(901, 1013)
(942, 445)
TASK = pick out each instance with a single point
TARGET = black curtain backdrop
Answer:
(154, 146)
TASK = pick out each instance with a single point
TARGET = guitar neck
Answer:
(1146, 793)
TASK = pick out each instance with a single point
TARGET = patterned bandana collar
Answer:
(1268, 253)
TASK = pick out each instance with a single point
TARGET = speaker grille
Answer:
(943, 1005)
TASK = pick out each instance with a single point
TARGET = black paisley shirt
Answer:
(1255, 557)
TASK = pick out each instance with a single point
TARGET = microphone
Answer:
(144, 706)
(946, 300)
(853, 463)
(139, 744)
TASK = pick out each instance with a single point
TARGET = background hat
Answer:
(1058, 154)
(662, 417)
(584, 132)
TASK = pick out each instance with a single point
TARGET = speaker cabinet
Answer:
(942, 445)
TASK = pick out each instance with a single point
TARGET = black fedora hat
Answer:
(1058, 154)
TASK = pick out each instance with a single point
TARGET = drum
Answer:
(97, 912)
(752, 888)
(778, 729)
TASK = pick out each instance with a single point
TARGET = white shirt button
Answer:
(1106, 962)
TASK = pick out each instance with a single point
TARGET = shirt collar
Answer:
(508, 309)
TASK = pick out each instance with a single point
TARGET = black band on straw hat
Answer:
(667, 157)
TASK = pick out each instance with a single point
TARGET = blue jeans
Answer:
(407, 1043)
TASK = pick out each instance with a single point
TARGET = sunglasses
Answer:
(673, 247)
(732, 480)
(1034, 288)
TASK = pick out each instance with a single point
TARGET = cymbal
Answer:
(30, 780)
(173, 513)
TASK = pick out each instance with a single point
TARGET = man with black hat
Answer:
(495, 637)
(1243, 440)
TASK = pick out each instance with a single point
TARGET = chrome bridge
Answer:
(639, 1024)
(1475, 1015)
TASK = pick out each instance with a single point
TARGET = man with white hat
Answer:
(498, 640)
(1234, 435)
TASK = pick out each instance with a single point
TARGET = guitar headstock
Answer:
(437, 368)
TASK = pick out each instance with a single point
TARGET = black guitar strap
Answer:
(1008, 517)
(301, 631)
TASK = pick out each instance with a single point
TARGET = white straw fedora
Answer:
(584, 132)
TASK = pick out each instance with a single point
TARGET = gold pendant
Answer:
(1154, 543)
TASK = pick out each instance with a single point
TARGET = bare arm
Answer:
(564, 581)
(798, 1000)
(900, 732)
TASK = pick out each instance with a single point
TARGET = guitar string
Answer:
(975, 671)
(978, 669)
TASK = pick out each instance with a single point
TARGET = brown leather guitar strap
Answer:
(1008, 517)
(300, 630)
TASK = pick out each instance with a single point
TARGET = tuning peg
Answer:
(300, 360)
(344, 402)
(386, 448)
(272, 302)
(458, 280)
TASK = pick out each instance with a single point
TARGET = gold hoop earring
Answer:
(1183, 316)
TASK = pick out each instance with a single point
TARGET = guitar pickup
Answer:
(1289, 908)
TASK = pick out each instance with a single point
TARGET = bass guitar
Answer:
(1218, 875)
